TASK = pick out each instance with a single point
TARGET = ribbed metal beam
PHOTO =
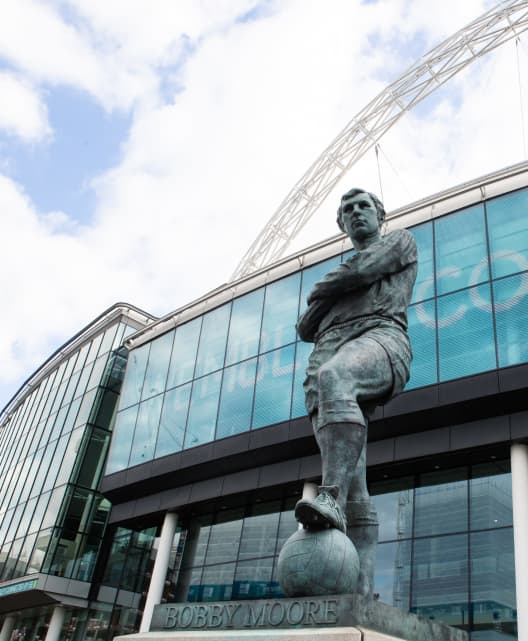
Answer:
(495, 27)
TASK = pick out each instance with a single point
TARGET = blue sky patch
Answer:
(86, 141)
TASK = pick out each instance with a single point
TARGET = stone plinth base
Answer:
(321, 634)
(343, 617)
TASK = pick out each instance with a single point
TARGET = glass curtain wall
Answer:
(239, 367)
(51, 455)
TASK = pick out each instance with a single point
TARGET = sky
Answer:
(144, 144)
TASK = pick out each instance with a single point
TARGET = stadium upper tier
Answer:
(231, 362)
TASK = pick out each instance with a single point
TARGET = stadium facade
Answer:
(210, 446)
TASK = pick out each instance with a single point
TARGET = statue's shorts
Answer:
(354, 367)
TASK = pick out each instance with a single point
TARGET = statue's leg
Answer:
(357, 373)
(363, 527)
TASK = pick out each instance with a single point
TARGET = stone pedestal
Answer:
(345, 617)
(322, 634)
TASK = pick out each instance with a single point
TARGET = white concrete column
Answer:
(309, 492)
(159, 572)
(55, 624)
(7, 628)
(519, 469)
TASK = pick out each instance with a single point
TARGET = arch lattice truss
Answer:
(502, 23)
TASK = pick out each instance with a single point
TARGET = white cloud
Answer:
(22, 111)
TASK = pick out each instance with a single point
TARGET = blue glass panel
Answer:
(508, 233)
(422, 333)
(202, 413)
(134, 375)
(253, 579)
(244, 328)
(461, 251)
(440, 579)
(173, 419)
(424, 286)
(212, 347)
(490, 496)
(511, 317)
(224, 533)
(280, 312)
(259, 534)
(237, 399)
(217, 583)
(465, 333)
(273, 394)
(441, 503)
(493, 583)
(122, 440)
(183, 358)
(301, 361)
(392, 575)
(393, 500)
(146, 431)
(312, 274)
(158, 364)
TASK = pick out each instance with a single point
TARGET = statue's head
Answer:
(354, 192)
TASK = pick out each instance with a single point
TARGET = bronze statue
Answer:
(357, 320)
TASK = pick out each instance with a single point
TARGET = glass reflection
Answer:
(184, 353)
(134, 375)
(274, 387)
(280, 312)
(393, 501)
(392, 579)
(511, 316)
(158, 363)
(203, 409)
(508, 233)
(465, 333)
(146, 430)
(424, 285)
(244, 327)
(441, 503)
(490, 494)
(303, 351)
(171, 429)
(440, 579)
(211, 350)
(460, 243)
(237, 399)
(422, 333)
(493, 582)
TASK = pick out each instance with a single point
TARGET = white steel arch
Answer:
(498, 25)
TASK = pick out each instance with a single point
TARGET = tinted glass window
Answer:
(508, 233)
(465, 333)
(244, 328)
(237, 398)
(184, 353)
(213, 338)
(511, 316)
(274, 387)
(158, 364)
(280, 313)
(202, 413)
(424, 286)
(422, 334)
(134, 376)
(173, 419)
(460, 241)
(146, 431)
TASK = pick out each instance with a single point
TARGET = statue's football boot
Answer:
(322, 511)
